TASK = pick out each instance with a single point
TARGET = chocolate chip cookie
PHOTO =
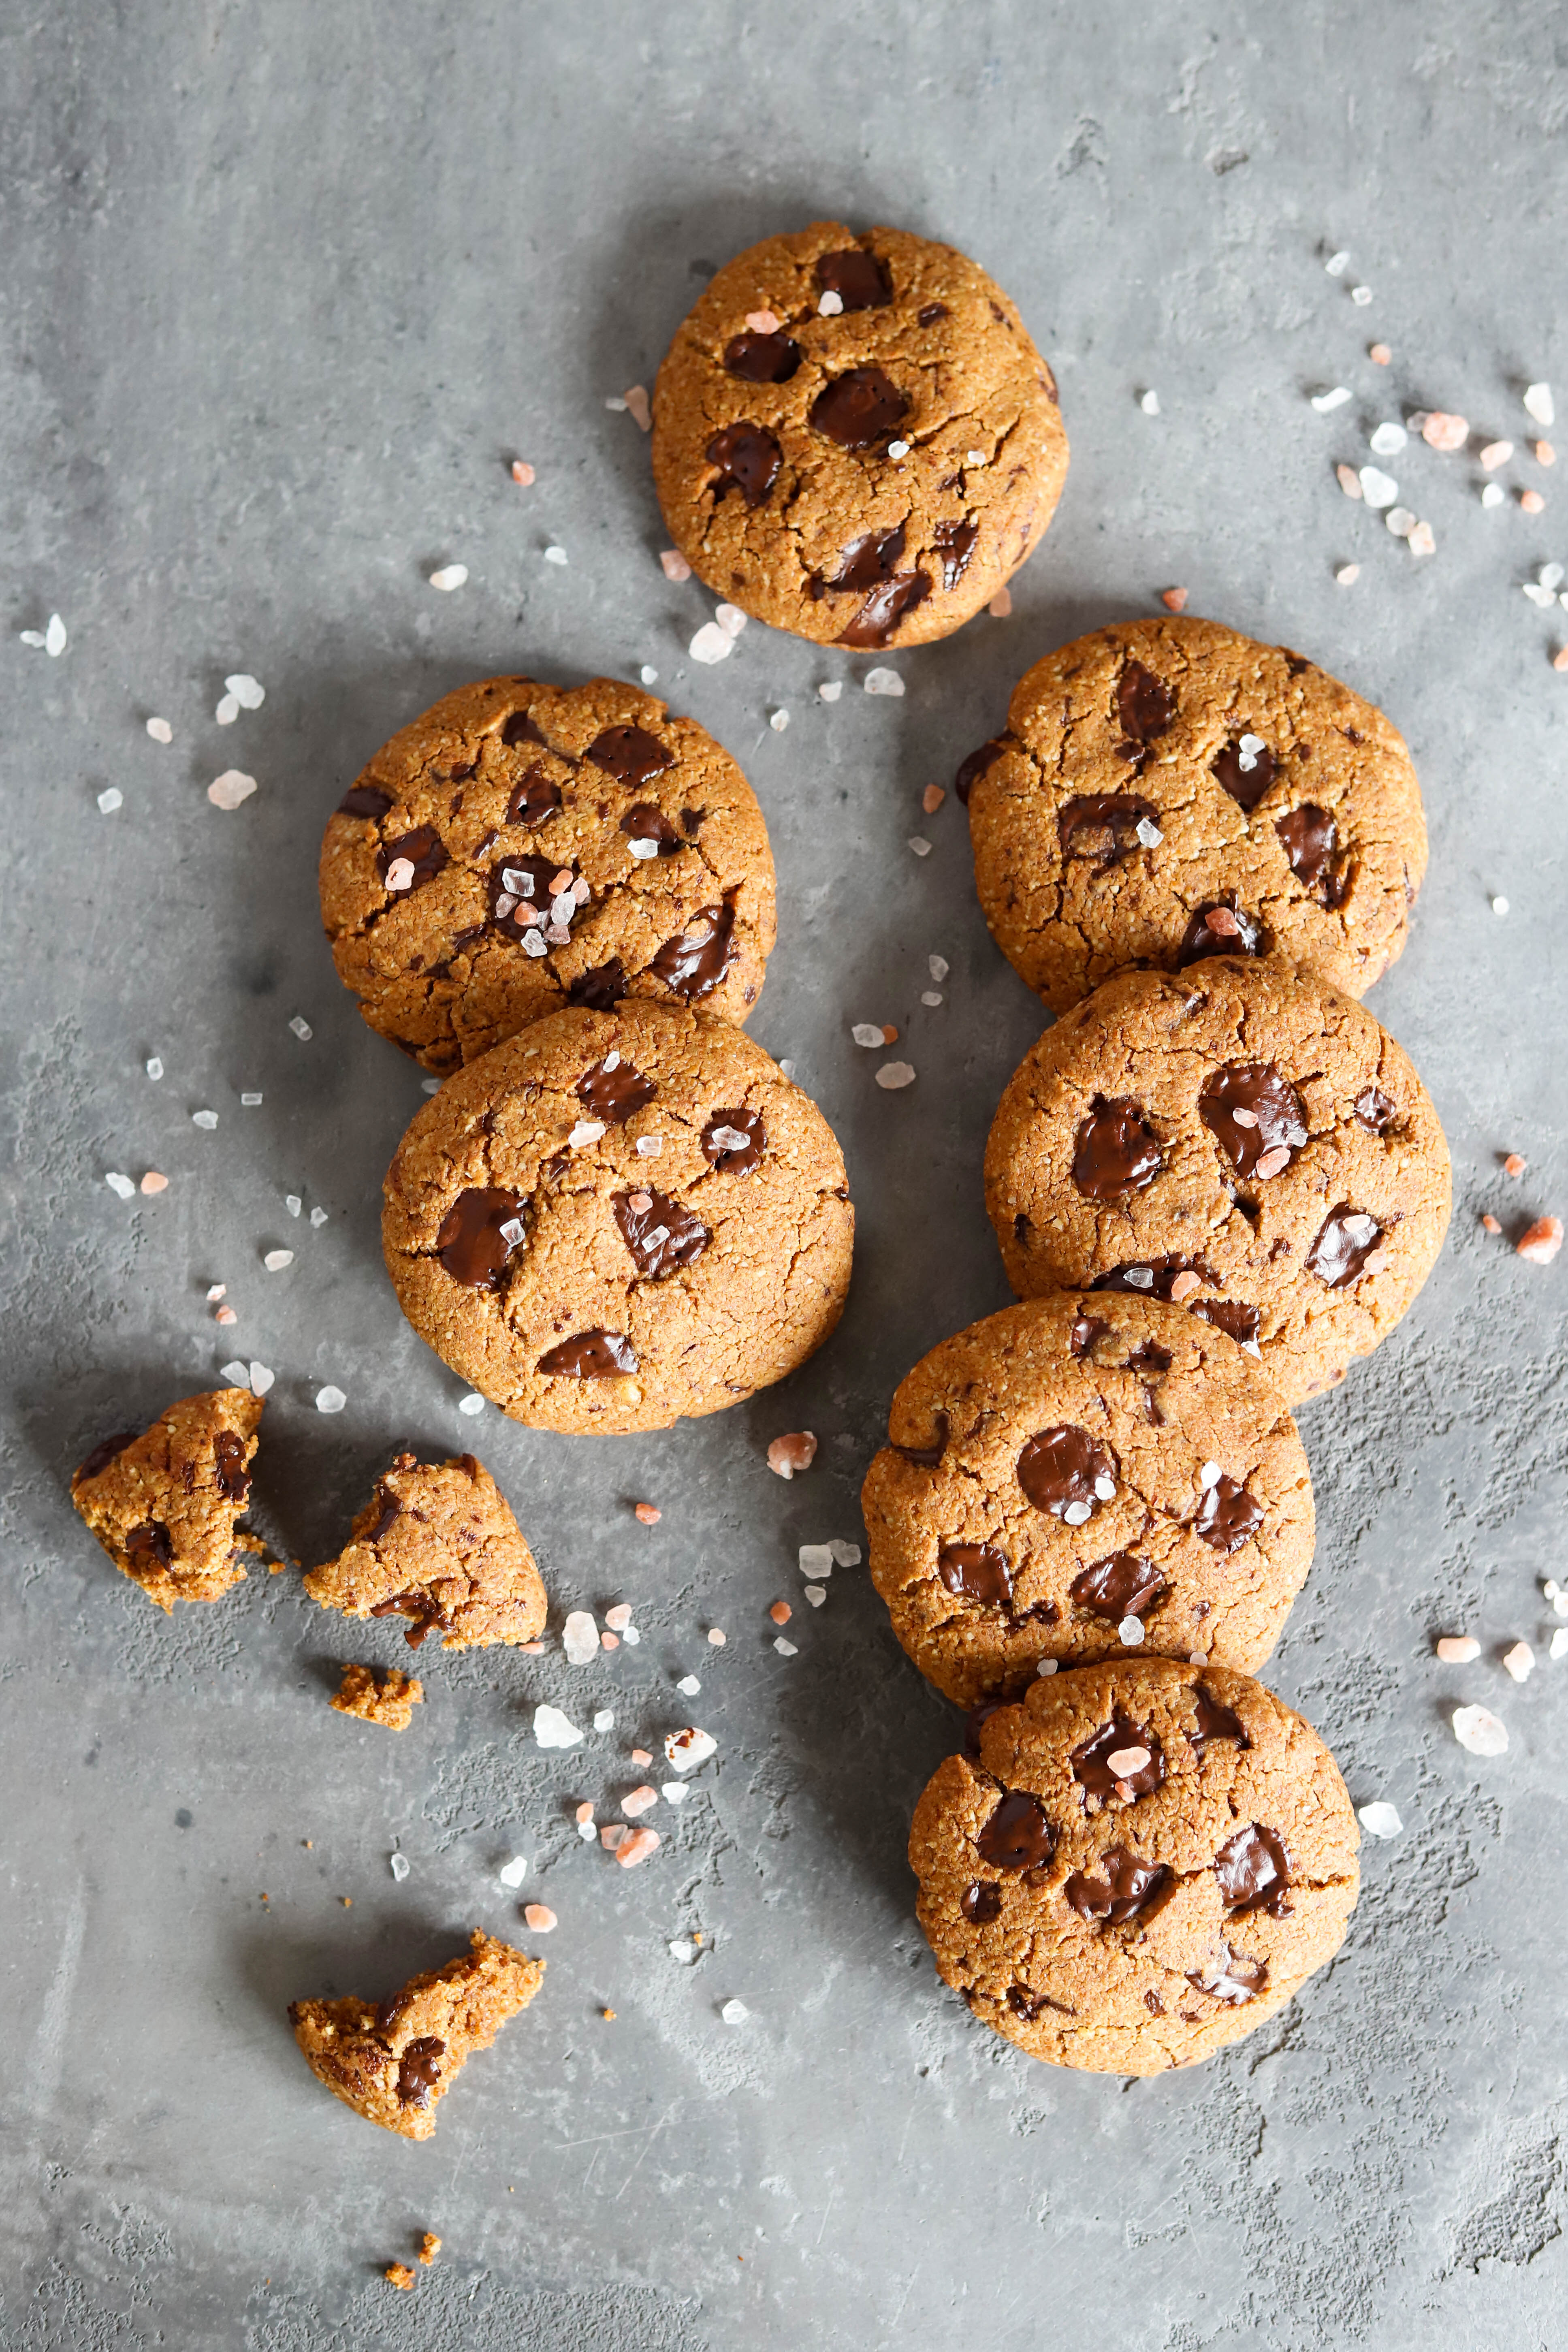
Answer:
(1137, 1864)
(437, 1543)
(854, 438)
(1241, 1141)
(1086, 1474)
(619, 1218)
(522, 846)
(1167, 791)
(164, 1503)
(392, 2059)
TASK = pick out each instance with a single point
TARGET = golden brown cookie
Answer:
(163, 1503)
(1140, 1863)
(620, 1218)
(1242, 1141)
(854, 438)
(379, 1695)
(1080, 1475)
(390, 2061)
(523, 846)
(437, 1543)
(1168, 790)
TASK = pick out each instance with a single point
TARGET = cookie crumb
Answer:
(429, 2247)
(399, 2274)
(795, 1451)
(1175, 600)
(383, 1697)
(1542, 1242)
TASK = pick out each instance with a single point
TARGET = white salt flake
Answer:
(1209, 1475)
(883, 681)
(399, 1865)
(1378, 489)
(938, 966)
(919, 844)
(932, 996)
(535, 943)
(675, 1793)
(1325, 402)
(429, 1086)
(236, 1374)
(1551, 576)
(1500, 905)
(228, 790)
(228, 710)
(1520, 1662)
(451, 576)
(293, 1204)
(686, 1749)
(261, 1379)
(1422, 540)
(250, 1102)
(472, 1404)
(829, 304)
(616, 404)
(1388, 439)
(55, 639)
(1400, 520)
(1380, 1819)
(816, 1560)
(109, 799)
(897, 449)
(1149, 833)
(160, 730)
(735, 2012)
(689, 1686)
(730, 619)
(844, 1555)
(1361, 295)
(643, 849)
(1348, 575)
(586, 1131)
(788, 1068)
(1479, 1729)
(974, 458)
(830, 691)
(817, 1594)
(1559, 1643)
(868, 1032)
(554, 1730)
(207, 1119)
(514, 1873)
(1536, 400)
(318, 1218)
(154, 1067)
(302, 1030)
(246, 690)
(778, 720)
(554, 554)
(785, 1649)
(893, 1075)
(649, 1147)
(1046, 1665)
(1131, 1631)
(712, 644)
(1537, 593)
(580, 1637)
(1077, 1514)
(1492, 495)
(685, 1951)
(586, 1830)
(636, 407)
(1105, 1488)
(276, 1260)
(604, 1719)
(330, 1399)
(1149, 403)
(1336, 264)
(649, 674)
(121, 1185)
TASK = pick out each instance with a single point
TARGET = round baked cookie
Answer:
(523, 846)
(1136, 1865)
(1079, 1476)
(1239, 1139)
(618, 1219)
(1167, 791)
(854, 438)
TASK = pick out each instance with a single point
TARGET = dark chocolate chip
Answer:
(1144, 703)
(1115, 1151)
(391, 1511)
(694, 963)
(1103, 826)
(150, 1543)
(425, 850)
(1062, 1470)
(975, 1721)
(981, 1901)
(1212, 1719)
(662, 1236)
(1253, 1871)
(954, 543)
(104, 1453)
(1238, 934)
(748, 460)
(1092, 1772)
(1154, 1278)
(630, 755)
(1308, 836)
(1375, 1111)
(645, 821)
(590, 1356)
(1085, 1331)
(1122, 1585)
(418, 2072)
(1020, 2000)
(970, 770)
(1128, 1888)
(1017, 1836)
(364, 799)
(519, 727)
(929, 316)
(1234, 1316)
(733, 1141)
(762, 358)
(858, 410)
(600, 990)
(613, 1095)
(978, 1571)
(534, 802)
(1228, 1515)
(471, 1245)
(1346, 1239)
(229, 1465)
(875, 623)
(861, 281)
(1246, 785)
(1273, 1118)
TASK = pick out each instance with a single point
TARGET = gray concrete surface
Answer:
(287, 286)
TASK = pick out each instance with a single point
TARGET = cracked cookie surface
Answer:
(869, 477)
(522, 846)
(437, 1543)
(1239, 1139)
(391, 2061)
(164, 1503)
(1098, 1458)
(1280, 813)
(1139, 1864)
(618, 1219)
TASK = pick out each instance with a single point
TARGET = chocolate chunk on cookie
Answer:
(391, 2061)
(620, 1218)
(164, 1503)
(436, 1543)
(854, 438)
(1193, 1862)
(379, 1695)
(1117, 1475)
(1280, 1211)
(523, 846)
(1167, 791)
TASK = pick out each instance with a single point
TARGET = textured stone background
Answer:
(286, 289)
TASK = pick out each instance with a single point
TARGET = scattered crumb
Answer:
(429, 2247)
(399, 2274)
(1175, 600)
(796, 1451)
(1541, 1243)
(379, 1695)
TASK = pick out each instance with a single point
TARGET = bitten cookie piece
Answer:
(1080, 1475)
(380, 1696)
(523, 846)
(1167, 791)
(1244, 1143)
(619, 1218)
(392, 2059)
(854, 438)
(1141, 1863)
(437, 1543)
(163, 1503)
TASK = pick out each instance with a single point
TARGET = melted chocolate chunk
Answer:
(1228, 1515)
(630, 755)
(613, 1095)
(1128, 1888)
(364, 799)
(1346, 1240)
(1245, 784)
(1376, 1112)
(691, 819)
(1028, 2005)
(1273, 1119)
(1085, 1331)
(978, 1571)
(1122, 1585)
(104, 1453)
(1253, 1871)
(600, 990)
(1092, 1772)
(1017, 1836)
(1103, 826)
(970, 770)
(861, 281)
(762, 358)
(865, 563)
(733, 1141)
(1062, 1470)
(748, 460)
(1148, 1356)
(647, 822)
(521, 727)
(981, 1901)
(660, 1237)
(150, 1543)
(470, 1243)
(1237, 1977)
(1234, 1316)
(387, 1517)
(1308, 837)
(884, 608)
(419, 2071)
(534, 802)
(425, 850)
(927, 1457)
(931, 314)
(1240, 934)
(229, 1465)
(870, 563)
(1212, 1720)
(1116, 1151)
(859, 409)
(694, 963)
(1155, 1277)
(954, 543)
(1144, 703)
(590, 1356)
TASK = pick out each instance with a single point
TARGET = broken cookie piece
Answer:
(163, 1503)
(437, 1544)
(379, 1695)
(399, 2274)
(392, 2059)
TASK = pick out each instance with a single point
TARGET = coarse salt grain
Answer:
(689, 1686)
(449, 576)
(730, 619)
(1325, 402)
(649, 1514)
(1149, 833)
(1175, 600)
(1348, 575)
(1559, 1648)
(472, 1404)
(674, 564)
(778, 720)
(523, 473)
(919, 844)
(842, 1554)
(1441, 430)
(580, 1638)
(932, 798)
(586, 1131)
(781, 1612)
(1380, 1819)
(1477, 1729)
(883, 681)
(1000, 604)
(1515, 1164)
(796, 1450)
(930, 996)
(1150, 402)
(712, 644)
(785, 1649)
(1492, 495)
(54, 638)
(830, 691)
(897, 449)
(974, 458)
(540, 1917)
(109, 799)
(228, 790)
(1489, 1222)
(814, 1560)
(1124, 1761)
(222, 1315)
(893, 1075)
(514, 1873)
(1531, 502)
(399, 1864)
(235, 1375)
(554, 1730)
(261, 1379)
(1046, 1665)
(1538, 402)
(276, 1260)
(1129, 1631)
(867, 1033)
(938, 966)
(302, 1029)
(815, 1594)
(1542, 1242)
(250, 1102)
(154, 1067)
(121, 1185)
(686, 1749)
(619, 1618)
(762, 322)
(1400, 521)
(160, 730)
(1378, 489)
(1360, 296)
(635, 397)
(684, 1952)
(1422, 540)
(673, 1792)
(829, 304)
(556, 554)
(717, 1636)
(637, 1801)
(613, 1835)
(734, 2013)
(1349, 480)
(205, 1119)
(330, 1399)
(1388, 439)
(1379, 354)
(1458, 1649)
(1520, 1662)
(1545, 454)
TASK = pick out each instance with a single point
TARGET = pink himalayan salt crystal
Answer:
(522, 475)
(636, 1848)
(637, 1801)
(1175, 600)
(613, 1837)
(1000, 604)
(1543, 1241)
(796, 1451)
(1458, 1649)
(583, 1813)
(1443, 431)
(762, 322)
(637, 408)
(649, 1514)
(619, 1618)
(674, 564)
(540, 1917)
